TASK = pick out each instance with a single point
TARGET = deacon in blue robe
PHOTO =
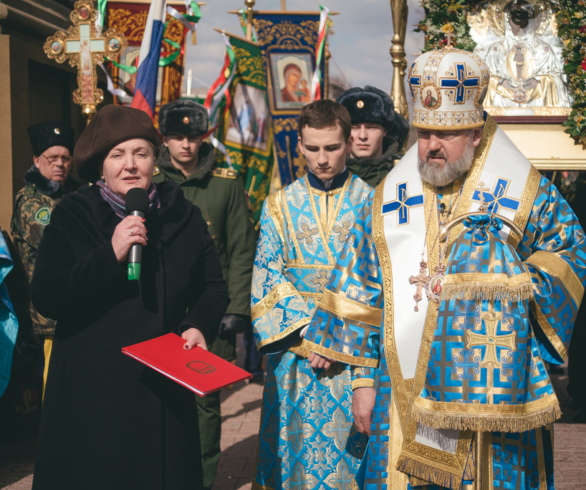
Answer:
(307, 438)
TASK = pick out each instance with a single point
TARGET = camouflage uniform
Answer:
(32, 212)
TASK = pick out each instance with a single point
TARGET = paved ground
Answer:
(241, 412)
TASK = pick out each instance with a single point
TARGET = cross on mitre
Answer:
(448, 37)
(85, 48)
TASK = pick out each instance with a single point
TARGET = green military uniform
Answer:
(374, 170)
(369, 105)
(220, 196)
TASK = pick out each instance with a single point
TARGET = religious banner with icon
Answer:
(245, 130)
(85, 48)
(130, 18)
(288, 43)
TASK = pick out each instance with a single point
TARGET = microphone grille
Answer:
(137, 199)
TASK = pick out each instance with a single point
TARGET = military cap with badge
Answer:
(185, 117)
(51, 133)
(372, 105)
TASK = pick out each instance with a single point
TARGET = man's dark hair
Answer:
(325, 114)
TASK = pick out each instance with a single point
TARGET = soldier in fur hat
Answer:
(46, 182)
(191, 163)
(378, 132)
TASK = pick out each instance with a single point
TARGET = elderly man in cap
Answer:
(462, 277)
(46, 182)
(191, 163)
(378, 133)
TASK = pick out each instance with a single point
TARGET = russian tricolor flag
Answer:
(145, 93)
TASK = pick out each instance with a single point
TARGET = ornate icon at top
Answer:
(518, 40)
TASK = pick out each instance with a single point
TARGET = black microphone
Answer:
(137, 204)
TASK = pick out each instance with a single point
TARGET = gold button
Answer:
(209, 223)
(57, 131)
(360, 104)
(185, 120)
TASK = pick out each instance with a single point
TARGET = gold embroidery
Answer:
(390, 347)
(321, 279)
(527, 200)
(293, 264)
(487, 463)
(491, 340)
(325, 234)
(276, 212)
(300, 350)
(472, 285)
(363, 383)
(513, 410)
(552, 264)
(423, 461)
(300, 256)
(288, 331)
(316, 296)
(395, 479)
(352, 310)
(548, 330)
(271, 299)
(467, 277)
(541, 459)
(340, 356)
(343, 230)
(480, 156)
(306, 234)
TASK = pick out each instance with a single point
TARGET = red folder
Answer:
(197, 369)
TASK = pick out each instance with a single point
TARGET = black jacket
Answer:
(108, 421)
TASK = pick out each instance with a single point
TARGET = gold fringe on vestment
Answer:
(489, 292)
(428, 473)
(485, 422)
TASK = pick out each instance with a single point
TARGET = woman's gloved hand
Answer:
(233, 324)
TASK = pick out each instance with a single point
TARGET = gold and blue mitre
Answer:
(485, 371)
(448, 87)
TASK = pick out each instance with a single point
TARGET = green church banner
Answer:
(245, 129)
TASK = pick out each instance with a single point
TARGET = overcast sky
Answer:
(360, 43)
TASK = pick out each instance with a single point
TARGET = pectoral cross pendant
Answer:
(421, 281)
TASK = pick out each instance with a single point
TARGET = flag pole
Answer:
(249, 4)
(283, 6)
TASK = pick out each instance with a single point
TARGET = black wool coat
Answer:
(109, 421)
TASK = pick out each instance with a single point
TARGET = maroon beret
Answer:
(112, 125)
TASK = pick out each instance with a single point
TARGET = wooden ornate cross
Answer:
(85, 48)
(491, 340)
(422, 281)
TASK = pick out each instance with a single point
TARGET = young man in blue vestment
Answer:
(307, 436)
(461, 277)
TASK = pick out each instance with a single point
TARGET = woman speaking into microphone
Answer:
(108, 421)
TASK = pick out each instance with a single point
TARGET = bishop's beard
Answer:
(440, 176)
